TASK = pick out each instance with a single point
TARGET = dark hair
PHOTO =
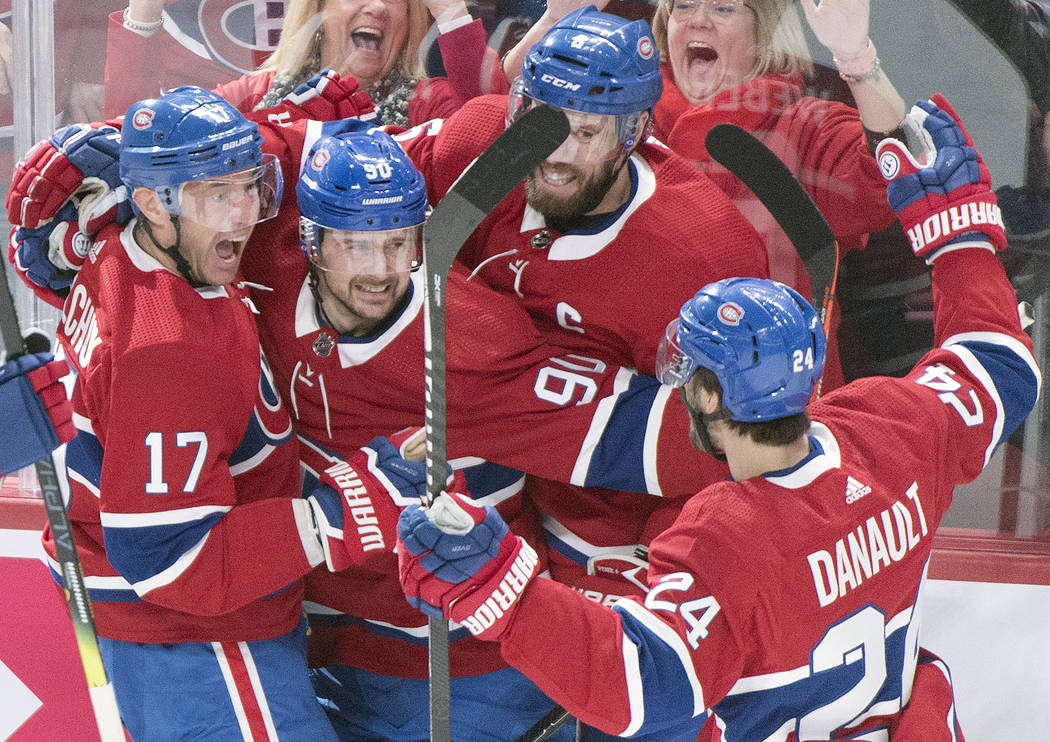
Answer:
(777, 432)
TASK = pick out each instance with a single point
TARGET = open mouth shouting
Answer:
(367, 38)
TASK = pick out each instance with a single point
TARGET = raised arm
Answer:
(842, 26)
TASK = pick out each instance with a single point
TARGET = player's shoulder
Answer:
(680, 183)
(485, 327)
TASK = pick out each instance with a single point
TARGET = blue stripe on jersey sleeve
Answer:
(141, 552)
(666, 693)
(84, 457)
(618, 461)
(1016, 384)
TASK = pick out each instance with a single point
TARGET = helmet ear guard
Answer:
(762, 341)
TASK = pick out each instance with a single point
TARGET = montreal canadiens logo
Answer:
(889, 164)
(645, 47)
(143, 118)
(730, 314)
(320, 159)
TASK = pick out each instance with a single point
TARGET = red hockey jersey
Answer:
(514, 400)
(786, 603)
(606, 294)
(184, 468)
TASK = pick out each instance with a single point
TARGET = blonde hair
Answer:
(782, 48)
(300, 40)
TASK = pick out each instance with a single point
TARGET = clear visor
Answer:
(673, 367)
(233, 202)
(593, 137)
(359, 252)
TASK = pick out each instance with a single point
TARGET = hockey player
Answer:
(782, 602)
(344, 334)
(184, 471)
(346, 350)
(605, 240)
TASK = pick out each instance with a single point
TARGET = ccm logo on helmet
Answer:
(730, 314)
(143, 118)
(558, 82)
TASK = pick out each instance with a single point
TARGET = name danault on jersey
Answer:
(860, 554)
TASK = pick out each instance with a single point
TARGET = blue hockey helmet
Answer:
(760, 338)
(596, 63)
(359, 182)
(190, 134)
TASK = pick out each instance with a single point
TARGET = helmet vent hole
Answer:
(596, 90)
(570, 60)
(199, 155)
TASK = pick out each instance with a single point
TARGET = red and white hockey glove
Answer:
(56, 168)
(943, 192)
(325, 97)
(357, 502)
(458, 560)
(64, 191)
(36, 411)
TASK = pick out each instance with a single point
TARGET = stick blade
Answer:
(527, 142)
(787, 201)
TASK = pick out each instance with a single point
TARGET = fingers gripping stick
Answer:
(459, 560)
(33, 404)
(940, 186)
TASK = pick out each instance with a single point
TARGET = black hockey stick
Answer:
(518, 151)
(547, 726)
(100, 690)
(788, 203)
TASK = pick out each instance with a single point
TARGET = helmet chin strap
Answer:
(182, 266)
(700, 421)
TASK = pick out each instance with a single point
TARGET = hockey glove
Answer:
(458, 560)
(357, 502)
(36, 411)
(943, 194)
(54, 169)
(327, 97)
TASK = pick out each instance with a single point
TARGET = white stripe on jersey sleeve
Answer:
(635, 692)
(973, 365)
(161, 517)
(172, 573)
(652, 438)
(600, 419)
(1006, 341)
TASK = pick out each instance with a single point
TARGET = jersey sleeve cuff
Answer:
(304, 522)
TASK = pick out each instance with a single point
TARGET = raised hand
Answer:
(940, 187)
(840, 25)
(328, 97)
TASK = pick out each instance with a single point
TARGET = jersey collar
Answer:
(355, 351)
(824, 455)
